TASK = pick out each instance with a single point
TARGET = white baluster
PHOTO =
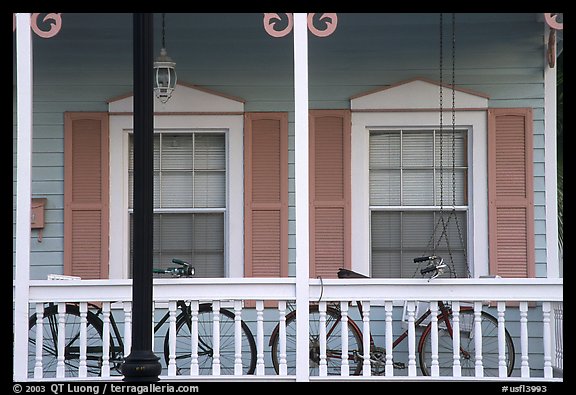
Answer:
(345, 367)
(389, 339)
(502, 368)
(106, 339)
(323, 368)
(479, 369)
(559, 334)
(456, 367)
(127, 327)
(172, 338)
(366, 369)
(194, 367)
(282, 334)
(82, 368)
(410, 308)
(60, 367)
(435, 368)
(524, 365)
(238, 338)
(260, 338)
(216, 338)
(547, 337)
(39, 340)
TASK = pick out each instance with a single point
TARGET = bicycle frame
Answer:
(117, 348)
(444, 314)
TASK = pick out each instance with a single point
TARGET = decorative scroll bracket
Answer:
(53, 30)
(271, 22)
(552, 21)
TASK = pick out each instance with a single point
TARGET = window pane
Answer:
(210, 152)
(417, 149)
(385, 150)
(177, 189)
(385, 187)
(451, 188)
(386, 230)
(445, 145)
(418, 187)
(209, 189)
(385, 240)
(417, 230)
(177, 151)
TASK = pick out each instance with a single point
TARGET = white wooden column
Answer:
(23, 192)
(301, 189)
(550, 166)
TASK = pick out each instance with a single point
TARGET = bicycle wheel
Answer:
(490, 356)
(205, 343)
(71, 345)
(333, 343)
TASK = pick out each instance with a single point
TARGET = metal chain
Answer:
(163, 30)
(441, 124)
(434, 241)
(461, 238)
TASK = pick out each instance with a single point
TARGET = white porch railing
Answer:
(244, 329)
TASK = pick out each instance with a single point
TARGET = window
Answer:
(416, 177)
(189, 200)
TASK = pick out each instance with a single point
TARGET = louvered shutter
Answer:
(266, 195)
(510, 190)
(86, 193)
(329, 192)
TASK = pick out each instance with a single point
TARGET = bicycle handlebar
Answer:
(425, 258)
(185, 271)
(436, 265)
(180, 262)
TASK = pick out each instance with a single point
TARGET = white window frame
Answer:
(475, 121)
(232, 126)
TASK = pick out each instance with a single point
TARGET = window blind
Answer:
(410, 172)
(189, 200)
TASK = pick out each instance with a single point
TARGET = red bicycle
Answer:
(377, 354)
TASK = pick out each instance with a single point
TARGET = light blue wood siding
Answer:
(89, 62)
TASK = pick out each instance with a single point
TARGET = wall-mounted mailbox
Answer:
(38, 206)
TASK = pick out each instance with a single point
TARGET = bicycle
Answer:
(355, 356)
(94, 336)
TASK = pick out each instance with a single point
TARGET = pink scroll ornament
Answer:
(271, 21)
(330, 26)
(54, 29)
(552, 21)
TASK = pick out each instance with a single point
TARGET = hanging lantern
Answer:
(164, 71)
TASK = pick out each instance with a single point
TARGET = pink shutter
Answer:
(329, 192)
(510, 192)
(86, 195)
(266, 195)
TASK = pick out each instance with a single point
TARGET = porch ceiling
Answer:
(232, 53)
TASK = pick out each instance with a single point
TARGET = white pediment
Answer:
(419, 94)
(186, 98)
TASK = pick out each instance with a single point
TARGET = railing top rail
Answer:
(496, 289)
(164, 289)
(534, 289)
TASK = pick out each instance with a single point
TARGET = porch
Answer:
(87, 324)
(89, 342)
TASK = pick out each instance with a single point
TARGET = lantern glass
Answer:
(164, 76)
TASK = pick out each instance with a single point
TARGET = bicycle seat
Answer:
(345, 273)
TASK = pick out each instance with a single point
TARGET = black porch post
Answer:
(142, 364)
